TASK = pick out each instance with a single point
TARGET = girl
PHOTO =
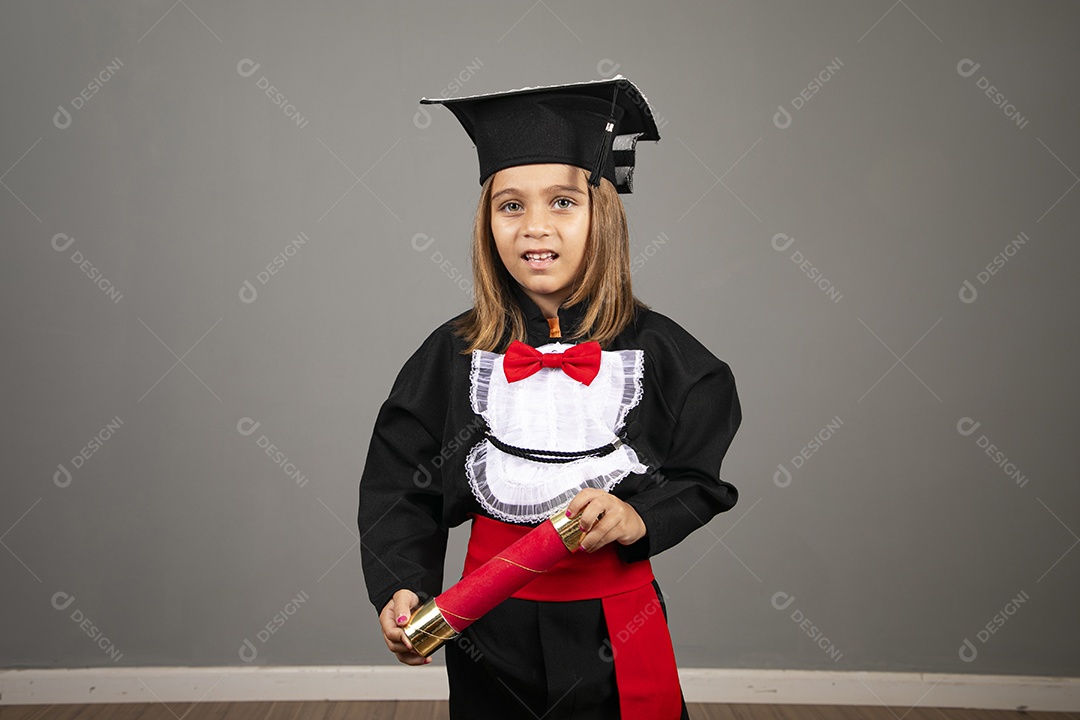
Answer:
(559, 386)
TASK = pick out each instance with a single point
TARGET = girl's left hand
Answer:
(604, 518)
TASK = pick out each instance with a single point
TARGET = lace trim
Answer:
(531, 513)
(633, 372)
(483, 363)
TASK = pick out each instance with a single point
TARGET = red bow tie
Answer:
(581, 362)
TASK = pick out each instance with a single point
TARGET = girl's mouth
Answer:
(539, 260)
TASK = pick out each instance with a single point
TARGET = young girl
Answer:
(558, 386)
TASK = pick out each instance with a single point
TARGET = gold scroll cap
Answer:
(427, 629)
(568, 528)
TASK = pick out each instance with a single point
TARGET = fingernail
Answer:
(427, 660)
(402, 618)
(569, 514)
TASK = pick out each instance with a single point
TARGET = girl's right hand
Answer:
(392, 619)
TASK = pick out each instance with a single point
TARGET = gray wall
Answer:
(874, 530)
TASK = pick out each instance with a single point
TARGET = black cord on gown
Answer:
(553, 456)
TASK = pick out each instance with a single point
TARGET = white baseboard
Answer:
(236, 684)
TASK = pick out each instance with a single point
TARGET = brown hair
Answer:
(496, 317)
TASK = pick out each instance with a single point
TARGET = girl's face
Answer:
(540, 220)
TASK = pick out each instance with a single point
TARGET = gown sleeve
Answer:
(686, 491)
(400, 517)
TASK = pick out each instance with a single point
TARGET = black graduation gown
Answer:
(414, 488)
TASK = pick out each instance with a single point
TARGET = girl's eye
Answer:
(511, 206)
(569, 203)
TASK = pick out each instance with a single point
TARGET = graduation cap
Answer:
(593, 125)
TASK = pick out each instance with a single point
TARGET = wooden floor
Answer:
(438, 711)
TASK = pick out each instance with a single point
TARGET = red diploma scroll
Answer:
(443, 617)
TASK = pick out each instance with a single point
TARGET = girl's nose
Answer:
(537, 222)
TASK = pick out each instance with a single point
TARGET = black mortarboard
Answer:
(593, 125)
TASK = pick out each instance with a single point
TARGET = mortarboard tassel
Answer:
(605, 144)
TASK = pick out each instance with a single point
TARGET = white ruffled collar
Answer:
(550, 411)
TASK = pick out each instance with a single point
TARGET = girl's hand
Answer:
(392, 618)
(604, 518)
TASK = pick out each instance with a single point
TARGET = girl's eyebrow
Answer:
(563, 188)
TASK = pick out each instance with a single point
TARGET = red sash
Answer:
(641, 649)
